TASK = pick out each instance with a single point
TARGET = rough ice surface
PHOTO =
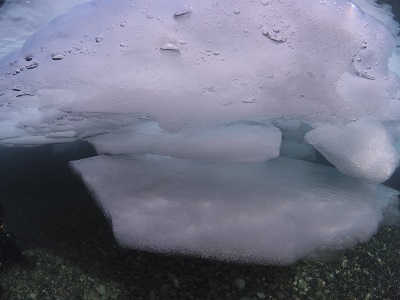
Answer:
(337, 73)
(274, 213)
(205, 81)
(360, 149)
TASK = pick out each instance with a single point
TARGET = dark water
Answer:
(39, 168)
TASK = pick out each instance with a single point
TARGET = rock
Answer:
(319, 296)
(164, 289)
(330, 277)
(152, 295)
(301, 284)
(240, 283)
(101, 290)
(175, 282)
(261, 295)
(280, 295)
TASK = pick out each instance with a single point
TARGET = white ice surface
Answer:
(361, 149)
(274, 213)
(204, 69)
(237, 143)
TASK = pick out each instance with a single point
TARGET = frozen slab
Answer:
(361, 149)
(271, 213)
(239, 142)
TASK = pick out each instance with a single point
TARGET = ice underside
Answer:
(206, 118)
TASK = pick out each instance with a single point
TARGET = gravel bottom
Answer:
(71, 254)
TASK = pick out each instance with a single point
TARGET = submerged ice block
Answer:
(361, 149)
(272, 213)
(239, 142)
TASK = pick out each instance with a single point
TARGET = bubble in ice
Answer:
(57, 57)
(169, 46)
(274, 36)
(32, 65)
(182, 12)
